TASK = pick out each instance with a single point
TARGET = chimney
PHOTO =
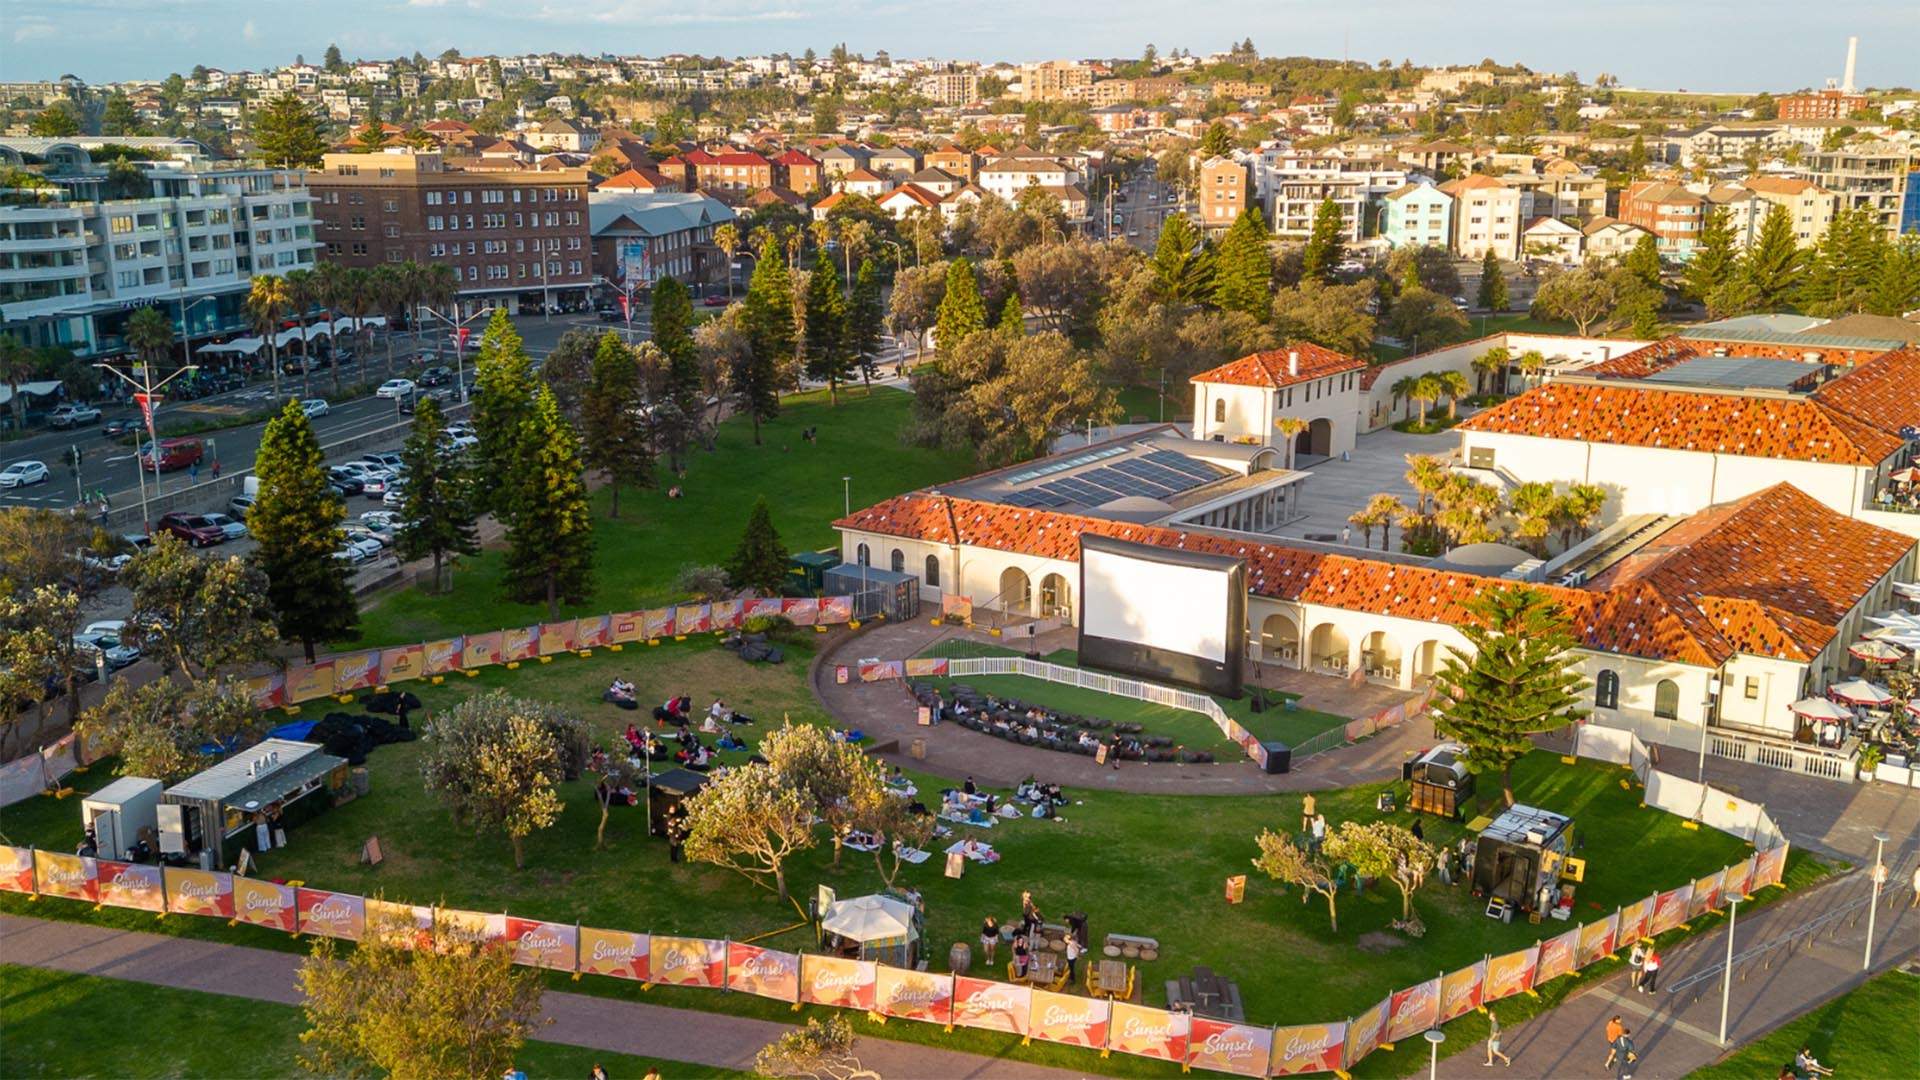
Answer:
(1293, 362)
(1853, 52)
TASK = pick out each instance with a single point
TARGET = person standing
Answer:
(1319, 832)
(1915, 902)
(1650, 970)
(1615, 1029)
(1021, 958)
(1073, 955)
(1306, 812)
(1493, 1041)
(1636, 960)
(989, 937)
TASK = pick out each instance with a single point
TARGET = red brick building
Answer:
(1821, 105)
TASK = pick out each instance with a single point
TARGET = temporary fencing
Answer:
(1677, 795)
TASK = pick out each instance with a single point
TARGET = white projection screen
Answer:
(1162, 614)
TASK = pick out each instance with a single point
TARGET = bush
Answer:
(770, 625)
(701, 582)
(1434, 424)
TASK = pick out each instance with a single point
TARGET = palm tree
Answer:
(1426, 474)
(1490, 363)
(267, 301)
(1454, 385)
(822, 232)
(149, 334)
(1403, 390)
(1535, 507)
(413, 285)
(1532, 363)
(727, 239)
(1579, 511)
(387, 295)
(300, 301)
(329, 281)
(356, 299)
(855, 237)
(1467, 506)
(16, 367)
(1290, 428)
(1426, 390)
(1365, 519)
(1386, 510)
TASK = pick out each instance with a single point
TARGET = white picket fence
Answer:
(1725, 743)
(1094, 680)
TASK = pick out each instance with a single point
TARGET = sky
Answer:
(1721, 45)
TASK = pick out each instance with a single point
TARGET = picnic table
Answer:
(1045, 967)
(1207, 994)
(1111, 978)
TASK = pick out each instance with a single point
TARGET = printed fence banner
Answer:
(1509, 975)
(133, 885)
(22, 778)
(881, 670)
(330, 914)
(556, 637)
(555, 946)
(692, 618)
(761, 607)
(478, 925)
(480, 650)
(1738, 878)
(1556, 957)
(955, 606)
(615, 953)
(1597, 941)
(995, 1006)
(766, 972)
(591, 633)
(267, 691)
(306, 682)
(726, 614)
(1633, 922)
(409, 925)
(1149, 1033)
(1769, 867)
(682, 961)
(402, 663)
(835, 980)
(16, 869)
(356, 671)
(1460, 991)
(1364, 1031)
(801, 611)
(1226, 1047)
(1669, 910)
(1307, 1048)
(925, 666)
(442, 656)
(628, 626)
(836, 610)
(1706, 895)
(914, 995)
(1414, 1010)
(1072, 1020)
(75, 877)
(658, 623)
(199, 892)
(519, 643)
(266, 903)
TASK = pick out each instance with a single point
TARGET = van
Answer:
(173, 454)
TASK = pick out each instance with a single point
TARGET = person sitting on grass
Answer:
(1806, 1066)
(728, 742)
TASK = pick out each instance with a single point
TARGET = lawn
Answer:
(1869, 1031)
(639, 554)
(1143, 403)
(63, 1025)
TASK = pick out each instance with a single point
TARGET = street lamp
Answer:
(458, 331)
(186, 332)
(145, 396)
(1434, 1038)
(1726, 970)
(1879, 878)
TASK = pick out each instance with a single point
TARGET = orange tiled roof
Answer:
(1883, 392)
(1270, 368)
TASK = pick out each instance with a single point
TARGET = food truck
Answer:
(1519, 860)
(272, 785)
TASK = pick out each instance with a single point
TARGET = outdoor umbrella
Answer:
(1899, 620)
(1877, 651)
(1859, 692)
(1908, 475)
(1819, 709)
(1908, 589)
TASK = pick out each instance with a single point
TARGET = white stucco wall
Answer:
(1565, 352)
(1247, 412)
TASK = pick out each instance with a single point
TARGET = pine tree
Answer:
(549, 531)
(1243, 280)
(866, 319)
(1217, 141)
(332, 61)
(1013, 317)
(439, 506)
(288, 133)
(759, 564)
(1896, 286)
(1714, 257)
(768, 314)
(615, 440)
(295, 521)
(1183, 263)
(828, 358)
(1774, 264)
(1844, 265)
(1493, 284)
(1327, 245)
(1643, 261)
(962, 311)
(503, 388)
(1517, 680)
(672, 319)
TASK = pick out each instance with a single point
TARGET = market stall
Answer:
(247, 801)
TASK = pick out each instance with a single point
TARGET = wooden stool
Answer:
(1130, 951)
(1149, 955)
(1111, 950)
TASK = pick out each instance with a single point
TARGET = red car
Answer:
(174, 454)
(193, 529)
(715, 301)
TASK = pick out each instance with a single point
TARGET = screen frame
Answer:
(1154, 664)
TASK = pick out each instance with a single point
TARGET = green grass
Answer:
(1144, 402)
(1517, 323)
(64, 1025)
(1869, 1031)
(638, 555)
(1436, 423)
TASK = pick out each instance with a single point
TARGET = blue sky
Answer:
(1695, 44)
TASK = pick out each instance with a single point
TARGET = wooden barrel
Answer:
(960, 957)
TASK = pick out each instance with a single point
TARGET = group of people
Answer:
(1036, 725)
(1029, 937)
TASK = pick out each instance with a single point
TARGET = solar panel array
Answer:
(1159, 474)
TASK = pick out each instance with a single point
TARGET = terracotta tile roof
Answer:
(743, 157)
(795, 157)
(1883, 392)
(1270, 368)
(913, 192)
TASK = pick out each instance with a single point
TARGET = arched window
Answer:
(1666, 699)
(863, 555)
(1606, 690)
(1220, 410)
(898, 562)
(933, 571)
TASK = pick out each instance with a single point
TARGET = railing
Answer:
(1725, 743)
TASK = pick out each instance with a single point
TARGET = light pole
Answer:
(1434, 1038)
(186, 332)
(846, 496)
(145, 396)
(1726, 970)
(458, 331)
(1879, 878)
(546, 295)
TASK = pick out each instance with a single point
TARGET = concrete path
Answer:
(582, 1020)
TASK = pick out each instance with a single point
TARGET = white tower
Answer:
(1853, 52)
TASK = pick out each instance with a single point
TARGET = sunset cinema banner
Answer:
(1241, 1049)
(1738, 879)
(1307, 1048)
(767, 973)
(994, 1006)
(1706, 895)
(75, 877)
(199, 892)
(356, 671)
(1556, 957)
(480, 650)
(331, 914)
(554, 946)
(16, 869)
(1596, 941)
(1669, 910)
(402, 662)
(835, 980)
(682, 961)
(1509, 975)
(1068, 1019)
(1460, 991)
(1633, 922)
(591, 632)
(692, 618)
(132, 885)
(1364, 1034)
(617, 954)
(628, 627)
(556, 637)
(519, 643)
(1149, 1033)
(443, 656)
(913, 995)
(1415, 1009)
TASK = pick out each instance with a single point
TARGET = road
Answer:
(1146, 206)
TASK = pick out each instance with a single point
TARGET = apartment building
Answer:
(1874, 175)
(1670, 212)
(1008, 176)
(1051, 80)
(1293, 184)
(739, 171)
(964, 164)
(797, 172)
(951, 87)
(639, 238)
(1747, 202)
(1828, 104)
(515, 238)
(1418, 215)
(1226, 190)
(1561, 189)
(1488, 215)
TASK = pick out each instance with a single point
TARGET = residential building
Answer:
(908, 198)
(1050, 80)
(951, 87)
(844, 158)
(938, 181)
(643, 178)
(514, 237)
(1418, 215)
(797, 172)
(952, 159)
(1673, 214)
(1828, 104)
(1610, 238)
(1436, 158)
(1488, 215)
(1553, 240)
(1240, 401)
(561, 134)
(1748, 202)
(1561, 189)
(1873, 175)
(736, 171)
(641, 237)
(864, 182)
(1226, 190)
(1007, 176)
(896, 160)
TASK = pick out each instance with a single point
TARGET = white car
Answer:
(366, 547)
(380, 519)
(396, 495)
(395, 388)
(22, 473)
(457, 441)
(234, 529)
(314, 407)
(357, 532)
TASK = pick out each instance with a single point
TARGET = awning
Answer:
(1819, 709)
(1859, 692)
(869, 918)
(1877, 651)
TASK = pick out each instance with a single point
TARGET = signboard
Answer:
(766, 972)
(1414, 1010)
(1769, 867)
(1596, 941)
(305, 682)
(726, 614)
(1149, 1033)
(401, 663)
(835, 980)
(657, 623)
(267, 903)
(913, 995)
(1669, 910)
(1236, 885)
(836, 610)
(926, 667)
(617, 954)
(1307, 1048)
(330, 914)
(634, 264)
(479, 650)
(442, 656)
(267, 691)
(132, 885)
(1364, 1033)
(1460, 991)
(554, 946)
(1556, 957)
(627, 627)
(955, 606)
(75, 877)
(680, 961)
(406, 925)
(801, 611)
(16, 869)
(691, 618)
(1706, 895)
(1070, 1019)
(1241, 1049)
(993, 1006)
(1739, 877)
(762, 607)
(591, 633)
(519, 643)
(556, 637)
(1509, 975)
(199, 892)
(355, 671)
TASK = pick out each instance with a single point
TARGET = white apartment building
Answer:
(1488, 215)
(1008, 176)
(1293, 184)
(1418, 215)
(1748, 203)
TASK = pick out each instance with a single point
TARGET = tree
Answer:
(1383, 850)
(1326, 245)
(1034, 389)
(727, 238)
(269, 299)
(1774, 263)
(1896, 284)
(1244, 281)
(549, 528)
(439, 513)
(503, 388)
(837, 778)
(28, 652)
(1290, 428)
(768, 315)
(295, 523)
(823, 1050)
(1217, 141)
(828, 358)
(1288, 861)
(149, 334)
(57, 121)
(288, 133)
(496, 763)
(1453, 386)
(1518, 679)
(962, 311)
(168, 730)
(1424, 265)
(569, 369)
(332, 62)
(1424, 391)
(1643, 261)
(614, 440)
(614, 772)
(451, 1005)
(1182, 262)
(1714, 257)
(1493, 284)
(749, 821)
(759, 562)
(1844, 265)
(197, 614)
(917, 293)
(1581, 296)
(1334, 316)
(866, 319)
(1426, 320)
(1489, 364)
(119, 118)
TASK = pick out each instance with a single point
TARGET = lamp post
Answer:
(146, 390)
(186, 332)
(1726, 970)
(1434, 1038)
(458, 331)
(1879, 878)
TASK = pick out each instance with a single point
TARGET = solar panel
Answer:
(1128, 483)
(1186, 466)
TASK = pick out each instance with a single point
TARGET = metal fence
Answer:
(1725, 743)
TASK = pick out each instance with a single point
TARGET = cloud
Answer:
(33, 28)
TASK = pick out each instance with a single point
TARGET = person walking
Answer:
(1073, 955)
(1615, 1029)
(1650, 970)
(1915, 902)
(1636, 959)
(216, 476)
(1493, 1041)
(1624, 1055)
(989, 937)
(193, 473)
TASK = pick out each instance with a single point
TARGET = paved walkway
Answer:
(582, 1020)
(887, 712)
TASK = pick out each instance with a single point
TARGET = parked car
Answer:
(108, 637)
(240, 505)
(120, 425)
(356, 531)
(104, 564)
(347, 480)
(387, 459)
(141, 543)
(380, 519)
(395, 388)
(715, 301)
(365, 547)
(314, 407)
(376, 483)
(438, 375)
(396, 495)
(350, 555)
(412, 401)
(73, 415)
(194, 529)
(458, 441)
(174, 454)
(23, 473)
(608, 314)
(233, 528)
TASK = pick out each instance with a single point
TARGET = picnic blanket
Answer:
(977, 817)
(859, 841)
(910, 854)
(1008, 810)
(974, 851)
(904, 791)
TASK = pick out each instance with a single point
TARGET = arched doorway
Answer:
(1056, 597)
(1426, 660)
(1328, 649)
(1319, 435)
(1380, 657)
(1280, 640)
(1016, 591)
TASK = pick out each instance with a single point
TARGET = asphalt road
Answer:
(1143, 211)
